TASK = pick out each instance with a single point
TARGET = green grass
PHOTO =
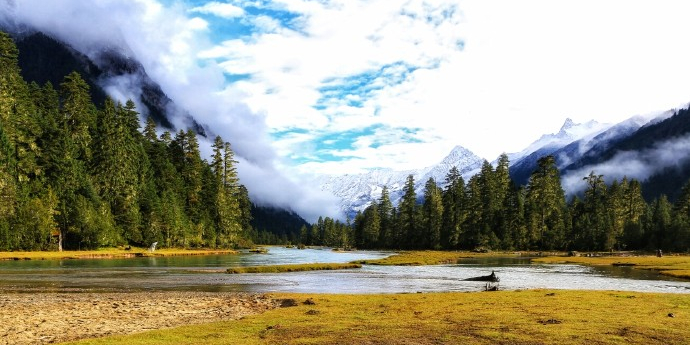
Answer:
(292, 268)
(671, 265)
(108, 253)
(503, 317)
(428, 257)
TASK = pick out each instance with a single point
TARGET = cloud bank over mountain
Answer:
(166, 40)
(639, 165)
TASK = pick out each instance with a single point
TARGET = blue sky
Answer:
(334, 77)
(330, 120)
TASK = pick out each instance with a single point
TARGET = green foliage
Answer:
(490, 212)
(408, 216)
(77, 177)
(545, 206)
(432, 215)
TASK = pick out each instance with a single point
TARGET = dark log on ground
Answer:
(490, 278)
(491, 287)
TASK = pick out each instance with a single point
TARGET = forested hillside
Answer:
(651, 138)
(75, 175)
(491, 212)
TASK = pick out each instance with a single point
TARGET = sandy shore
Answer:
(41, 318)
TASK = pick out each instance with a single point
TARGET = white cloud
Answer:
(525, 67)
(633, 165)
(219, 9)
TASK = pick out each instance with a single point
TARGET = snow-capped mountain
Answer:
(569, 132)
(357, 191)
(574, 143)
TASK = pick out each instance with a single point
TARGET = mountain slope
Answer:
(44, 59)
(284, 224)
(657, 154)
(357, 191)
(524, 162)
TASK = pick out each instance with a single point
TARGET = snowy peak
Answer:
(567, 125)
(358, 191)
(459, 154)
(568, 133)
(577, 131)
(571, 131)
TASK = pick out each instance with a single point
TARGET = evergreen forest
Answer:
(490, 212)
(75, 175)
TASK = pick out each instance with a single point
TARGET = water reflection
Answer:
(204, 273)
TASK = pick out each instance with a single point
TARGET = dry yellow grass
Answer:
(675, 266)
(291, 268)
(504, 317)
(108, 253)
(428, 257)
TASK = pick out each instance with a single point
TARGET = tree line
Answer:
(77, 176)
(491, 212)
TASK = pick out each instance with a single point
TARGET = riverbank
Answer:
(292, 268)
(677, 266)
(109, 253)
(515, 317)
(430, 257)
(42, 318)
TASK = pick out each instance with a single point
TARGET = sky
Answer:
(305, 87)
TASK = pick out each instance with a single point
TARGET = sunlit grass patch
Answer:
(675, 266)
(428, 257)
(515, 317)
(292, 268)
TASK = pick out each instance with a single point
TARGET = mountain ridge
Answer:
(43, 58)
(358, 191)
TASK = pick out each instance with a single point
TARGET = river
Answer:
(202, 273)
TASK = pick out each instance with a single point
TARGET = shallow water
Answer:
(196, 273)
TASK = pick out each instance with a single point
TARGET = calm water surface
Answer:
(197, 273)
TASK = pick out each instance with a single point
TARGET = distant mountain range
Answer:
(648, 148)
(574, 144)
(356, 191)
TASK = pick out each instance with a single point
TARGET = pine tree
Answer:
(150, 130)
(69, 156)
(661, 223)
(432, 215)
(245, 209)
(408, 215)
(78, 113)
(8, 190)
(120, 165)
(635, 208)
(229, 217)
(191, 173)
(17, 114)
(472, 234)
(385, 207)
(454, 209)
(371, 227)
(599, 227)
(546, 206)
(503, 186)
